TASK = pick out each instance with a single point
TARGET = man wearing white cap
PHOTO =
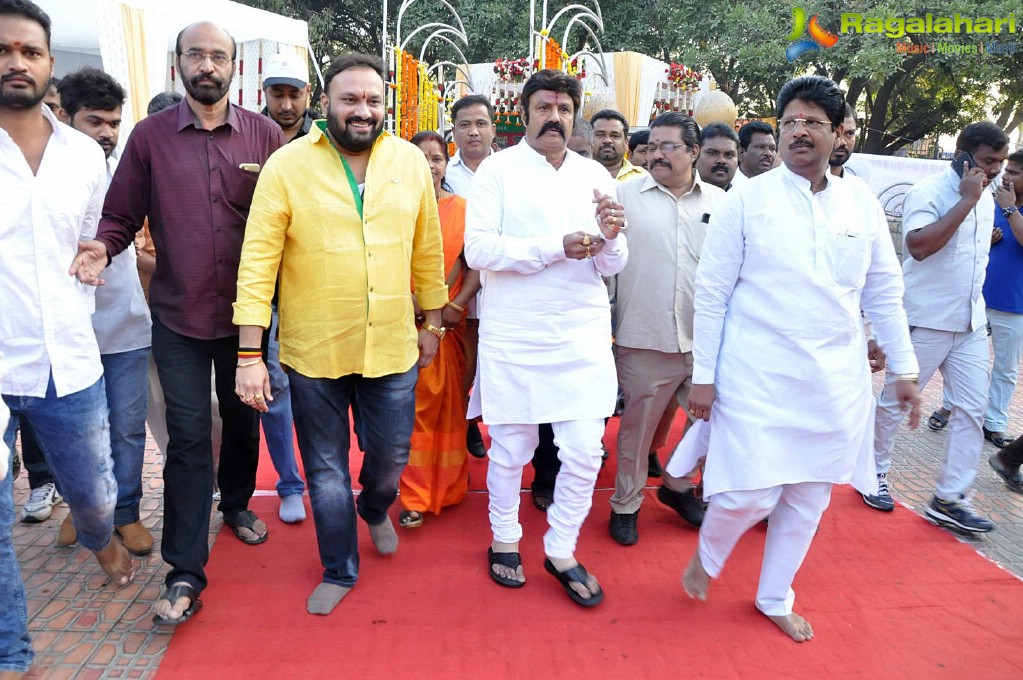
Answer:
(286, 85)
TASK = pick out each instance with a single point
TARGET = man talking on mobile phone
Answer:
(947, 220)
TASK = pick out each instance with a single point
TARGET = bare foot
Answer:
(116, 562)
(695, 579)
(326, 596)
(585, 591)
(384, 537)
(165, 609)
(511, 573)
(795, 626)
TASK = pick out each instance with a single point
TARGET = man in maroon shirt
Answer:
(192, 169)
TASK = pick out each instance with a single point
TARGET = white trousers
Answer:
(579, 450)
(795, 511)
(962, 359)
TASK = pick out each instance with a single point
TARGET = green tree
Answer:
(904, 97)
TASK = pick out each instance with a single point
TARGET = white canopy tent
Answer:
(133, 40)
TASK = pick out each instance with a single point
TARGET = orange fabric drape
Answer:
(437, 473)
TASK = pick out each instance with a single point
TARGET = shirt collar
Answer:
(457, 158)
(187, 117)
(650, 183)
(58, 127)
(318, 135)
(801, 182)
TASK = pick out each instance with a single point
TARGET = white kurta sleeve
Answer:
(882, 299)
(716, 275)
(613, 256)
(487, 246)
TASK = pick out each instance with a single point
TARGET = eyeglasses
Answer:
(666, 147)
(812, 124)
(198, 56)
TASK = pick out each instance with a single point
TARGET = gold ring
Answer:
(250, 397)
(258, 397)
(586, 240)
(588, 254)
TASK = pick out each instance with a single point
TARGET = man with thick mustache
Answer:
(347, 324)
(192, 169)
(790, 420)
(668, 210)
(719, 155)
(545, 328)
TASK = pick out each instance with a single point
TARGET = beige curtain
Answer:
(628, 69)
(133, 20)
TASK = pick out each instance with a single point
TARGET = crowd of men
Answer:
(645, 264)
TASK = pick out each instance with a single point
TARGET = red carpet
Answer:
(888, 596)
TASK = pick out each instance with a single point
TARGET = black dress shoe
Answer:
(687, 505)
(654, 468)
(474, 441)
(623, 528)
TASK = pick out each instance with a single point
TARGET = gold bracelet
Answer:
(907, 377)
(456, 307)
(439, 332)
(246, 364)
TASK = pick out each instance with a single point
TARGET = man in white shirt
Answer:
(947, 219)
(545, 330)
(92, 102)
(778, 349)
(472, 117)
(668, 212)
(757, 151)
(52, 180)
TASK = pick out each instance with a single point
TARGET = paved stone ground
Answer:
(82, 629)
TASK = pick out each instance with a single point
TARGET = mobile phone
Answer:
(962, 162)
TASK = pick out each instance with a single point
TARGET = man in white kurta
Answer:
(545, 330)
(790, 259)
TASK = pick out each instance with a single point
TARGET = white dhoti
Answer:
(795, 511)
(580, 452)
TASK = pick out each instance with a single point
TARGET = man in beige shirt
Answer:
(667, 213)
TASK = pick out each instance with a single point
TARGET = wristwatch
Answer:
(439, 332)
(1008, 211)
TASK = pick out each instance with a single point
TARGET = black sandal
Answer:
(243, 523)
(512, 560)
(576, 574)
(172, 594)
(937, 422)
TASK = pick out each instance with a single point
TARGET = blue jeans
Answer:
(74, 436)
(126, 375)
(1007, 340)
(15, 645)
(277, 422)
(386, 414)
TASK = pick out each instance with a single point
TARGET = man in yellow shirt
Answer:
(347, 326)
(610, 135)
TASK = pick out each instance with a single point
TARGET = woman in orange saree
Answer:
(437, 473)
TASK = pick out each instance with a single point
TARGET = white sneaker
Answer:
(40, 503)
